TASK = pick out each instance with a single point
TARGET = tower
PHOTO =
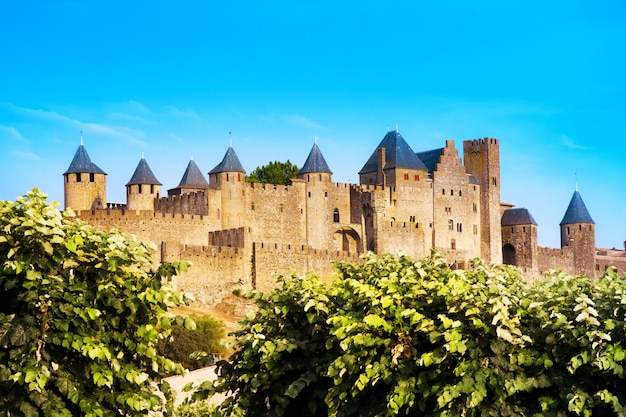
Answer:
(482, 160)
(317, 178)
(84, 183)
(578, 233)
(143, 188)
(519, 239)
(193, 180)
(229, 177)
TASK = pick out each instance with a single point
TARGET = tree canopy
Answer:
(393, 336)
(279, 173)
(80, 317)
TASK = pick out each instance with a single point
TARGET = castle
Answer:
(238, 233)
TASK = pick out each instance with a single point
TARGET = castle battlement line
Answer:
(239, 234)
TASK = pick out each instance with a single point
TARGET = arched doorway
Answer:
(508, 255)
(348, 240)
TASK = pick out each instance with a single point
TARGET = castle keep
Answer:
(238, 234)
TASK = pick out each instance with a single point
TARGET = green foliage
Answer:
(80, 317)
(182, 342)
(393, 336)
(274, 173)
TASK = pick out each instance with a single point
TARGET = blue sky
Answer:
(172, 79)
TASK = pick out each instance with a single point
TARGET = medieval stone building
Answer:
(238, 234)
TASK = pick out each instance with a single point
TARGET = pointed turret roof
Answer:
(315, 162)
(82, 163)
(143, 174)
(576, 211)
(193, 177)
(230, 163)
(398, 154)
(517, 216)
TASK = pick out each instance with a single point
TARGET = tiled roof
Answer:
(430, 158)
(143, 175)
(576, 211)
(193, 177)
(398, 154)
(517, 216)
(230, 163)
(82, 163)
(315, 162)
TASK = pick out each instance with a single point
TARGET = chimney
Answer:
(380, 175)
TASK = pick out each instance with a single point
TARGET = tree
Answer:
(275, 172)
(80, 317)
(393, 336)
(182, 343)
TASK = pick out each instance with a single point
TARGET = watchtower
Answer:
(578, 233)
(143, 188)
(84, 183)
(482, 160)
(229, 177)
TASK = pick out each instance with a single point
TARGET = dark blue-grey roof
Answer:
(398, 154)
(473, 180)
(143, 175)
(82, 163)
(430, 158)
(230, 163)
(576, 211)
(315, 162)
(517, 216)
(193, 177)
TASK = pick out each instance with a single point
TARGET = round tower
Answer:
(320, 216)
(578, 233)
(143, 188)
(84, 183)
(229, 177)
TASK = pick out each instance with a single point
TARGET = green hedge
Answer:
(393, 336)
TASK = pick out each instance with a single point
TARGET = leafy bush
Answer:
(206, 337)
(80, 316)
(394, 336)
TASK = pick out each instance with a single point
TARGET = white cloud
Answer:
(186, 114)
(12, 133)
(299, 120)
(569, 143)
(25, 155)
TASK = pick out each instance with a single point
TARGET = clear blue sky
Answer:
(172, 79)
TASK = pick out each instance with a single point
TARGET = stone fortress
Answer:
(237, 234)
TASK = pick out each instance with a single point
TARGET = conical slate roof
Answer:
(193, 177)
(82, 163)
(398, 154)
(576, 211)
(230, 163)
(315, 162)
(143, 175)
(517, 216)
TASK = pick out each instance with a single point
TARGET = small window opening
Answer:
(78, 177)
(92, 177)
(336, 215)
(139, 188)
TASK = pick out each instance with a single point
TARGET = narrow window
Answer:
(450, 225)
(336, 216)
(459, 227)
(451, 192)
(568, 230)
(494, 181)
(475, 207)
(320, 177)
(580, 227)
(226, 177)
(308, 178)
(281, 208)
(460, 193)
(417, 178)
(309, 194)
(78, 177)
(523, 229)
(475, 229)
(252, 206)
(92, 177)
(325, 193)
(218, 214)
(238, 177)
(151, 188)
(406, 176)
(139, 188)
(443, 191)
(453, 244)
